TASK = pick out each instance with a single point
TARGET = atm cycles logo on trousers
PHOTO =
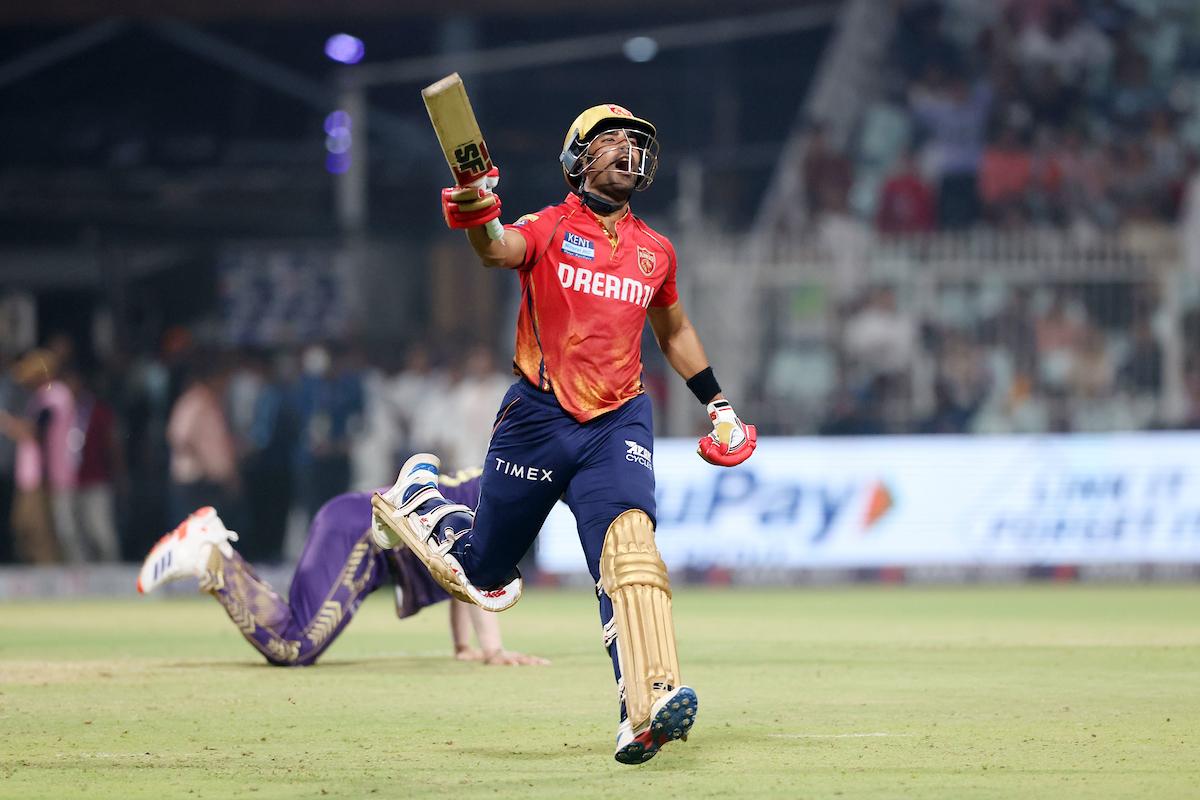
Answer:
(638, 454)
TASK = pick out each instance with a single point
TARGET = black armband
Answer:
(704, 385)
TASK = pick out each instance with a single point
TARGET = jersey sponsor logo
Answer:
(520, 223)
(646, 260)
(638, 454)
(534, 474)
(575, 245)
(606, 285)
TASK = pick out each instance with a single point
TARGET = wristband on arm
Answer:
(704, 385)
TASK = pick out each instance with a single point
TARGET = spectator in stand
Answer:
(828, 174)
(203, 455)
(263, 434)
(10, 405)
(328, 405)
(101, 470)
(1066, 42)
(1086, 182)
(1141, 195)
(961, 387)
(471, 403)
(43, 508)
(1051, 100)
(955, 115)
(853, 413)
(1092, 371)
(1191, 383)
(1141, 371)
(1010, 330)
(880, 341)
(1059, 332)
(1168, 161)
(1046, 198)
(1031, 13)
(906, 202)
(408, 395)
(1133, 97)
(1005, 174)
(375, 447)
(920, 43)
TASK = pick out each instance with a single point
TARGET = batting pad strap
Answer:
(635, 579)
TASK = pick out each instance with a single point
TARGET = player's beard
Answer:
(615, 184)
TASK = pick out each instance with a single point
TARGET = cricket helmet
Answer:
(597, 120)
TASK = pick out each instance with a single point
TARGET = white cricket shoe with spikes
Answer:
(184, 552)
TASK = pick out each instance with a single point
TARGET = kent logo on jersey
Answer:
(575, 245)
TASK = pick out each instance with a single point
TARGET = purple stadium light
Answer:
(338, 142)
(345, 49)
(337, 163)
(337, 121)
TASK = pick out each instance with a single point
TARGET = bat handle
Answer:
(495, 230)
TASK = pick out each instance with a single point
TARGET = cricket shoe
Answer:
(184, 552)
(411, 514)
(671, 718)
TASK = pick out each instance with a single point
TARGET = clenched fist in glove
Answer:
(474, 205)
(731, 441)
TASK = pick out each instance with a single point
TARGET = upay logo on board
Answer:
(820, 510)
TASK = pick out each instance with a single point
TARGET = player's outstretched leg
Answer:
(658, 708)
(414, 513)
(183, 553)
(338, 568)
(200, 547)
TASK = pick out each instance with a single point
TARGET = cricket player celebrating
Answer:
(339, 567)
(577, 423)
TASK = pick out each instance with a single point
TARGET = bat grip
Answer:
(495, 230)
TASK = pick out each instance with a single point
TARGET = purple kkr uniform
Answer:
(339, 567)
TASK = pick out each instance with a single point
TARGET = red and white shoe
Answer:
(183, 552)
(671, 718)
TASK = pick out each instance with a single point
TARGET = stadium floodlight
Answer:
(345, 49)
(641, 49)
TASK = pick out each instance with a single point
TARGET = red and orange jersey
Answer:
(584, 296)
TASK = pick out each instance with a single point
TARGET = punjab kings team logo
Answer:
(646, 261)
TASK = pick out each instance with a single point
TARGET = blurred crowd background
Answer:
(224, 279)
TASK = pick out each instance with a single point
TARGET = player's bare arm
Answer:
(507, 252)
(680, 343)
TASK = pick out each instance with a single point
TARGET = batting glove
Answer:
(731, 441)
(474, 205)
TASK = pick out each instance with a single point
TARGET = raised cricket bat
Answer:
(458, 133)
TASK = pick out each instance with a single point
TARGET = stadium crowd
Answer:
(1020, 121)
(1079, 114)
(97, 461)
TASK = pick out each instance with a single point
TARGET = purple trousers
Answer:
(339, 567)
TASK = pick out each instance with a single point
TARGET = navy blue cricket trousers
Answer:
(539, 454)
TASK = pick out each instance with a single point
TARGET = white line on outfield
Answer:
(831, 735)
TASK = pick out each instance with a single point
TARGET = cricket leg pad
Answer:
(634, 577)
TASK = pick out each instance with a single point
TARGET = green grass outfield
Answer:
(1047, 691)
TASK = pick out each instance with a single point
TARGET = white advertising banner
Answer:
(921, 500)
